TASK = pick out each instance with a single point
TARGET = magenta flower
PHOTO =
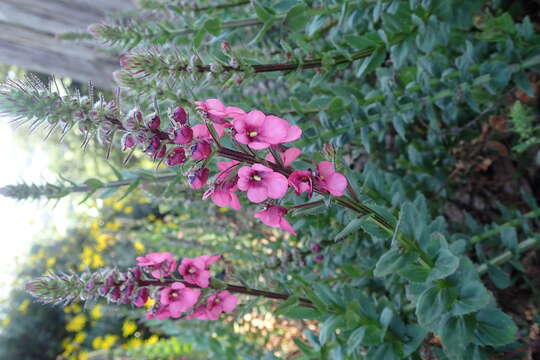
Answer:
(223, 194)
(287, 157)
(217, 112)
(178, 298)
(301, 181)
(222, 302)
(128, 141)
(179, 115)
(183, 136)
(225, 168)
(261, 183)
(259, 131)
(176, 157)
(202, 149)
(158, 311)
(273, 217)
(328, 180)
(199, 178)
(142, 297)
(154, 123)
(195, 270)
(159, 264)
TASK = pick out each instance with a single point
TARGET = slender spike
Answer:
(53, 127)
(126, 160)
(109, 148)
(65, 130)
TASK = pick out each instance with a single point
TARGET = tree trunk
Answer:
(27, 37)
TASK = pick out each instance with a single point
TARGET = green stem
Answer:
(497, 229)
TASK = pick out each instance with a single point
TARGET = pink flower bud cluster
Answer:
(182, 297)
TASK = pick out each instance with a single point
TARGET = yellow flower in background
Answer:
(96, 342)
(6, 321)
(97, 261)
(50, 262)
(133, 343)
(151, 217)
(77, 323)
(96, 312)
(128, 210)
(83, 355)
(119, 205)
(113, 225)
(108, 341)
(139, 246)
(128, 328)
(80, 337)
(152, 340)
(23, 308)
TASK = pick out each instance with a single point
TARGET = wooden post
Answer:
(27, 37)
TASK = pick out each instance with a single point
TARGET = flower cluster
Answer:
(180, 296)
(263, 178)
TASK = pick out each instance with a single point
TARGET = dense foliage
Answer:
(405, 229)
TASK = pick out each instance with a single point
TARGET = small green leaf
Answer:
(94, 183)
(472, 297)
(372, 62)
(446, 264)
(457, 333)
(130, 189)
(291, 302)
(355, 339)
(430, 306)
(494, 327)
(500, 278)
(301, 312)
(351, 227)
(329, 327)
(392, 261)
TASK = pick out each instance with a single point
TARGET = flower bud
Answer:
(179, 115)
(226, 47)
(128, 141)
(154, 123)
(183, 136)
(176, 157)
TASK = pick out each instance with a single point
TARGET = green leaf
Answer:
(494, 328)
(263, 13)
(351, 227)
(301, 312)
(509, 237)
(374, 335)
(303, 346)
(473, 296)
(297, 17)
(130, 189)
(266, 26)
(430, 306)
(325, 293)
(329, 327)
(500, 278)
(291, 302)
(392, 261)
(457, 332)
(213, 26)
(199, 37)
(355, 339)
(367, 41)
(446, 264)
(94, 183)
(386, 351)
(372, 62)
(386, 317)
(414, 272)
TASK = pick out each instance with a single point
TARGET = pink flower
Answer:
(154, 123)
(222, 302)
(160, 264)
(225, 168)
(261, 183)
(202, 149)
(301, 181)
(158, 311)
(176, 157)
(155, 149)
(199, 178)
(259, 131)
(179, 115)
(224, 194)
(183, 136)
(178, 298)
(217, 112)
(328, 180)
(142, 297)
(195, 270)
(287, 157)
(128, 141)
(273, 217)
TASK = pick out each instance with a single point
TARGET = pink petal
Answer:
(229, 302)
(293, 134)
(203, 279)
(257, 145)
(336, 184)
(239, 125)
(235, 202)
(285, 225)
(261, 168)
(221, 198)
(176, 309)
(276, 185)
(214, 104)
(274, 129)
(290, 155)
(325, 168)
(255, 118)
(257, 194)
